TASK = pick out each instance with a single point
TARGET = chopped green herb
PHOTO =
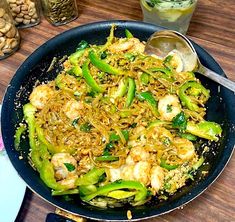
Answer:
(180, 121)
(169, 108)
(133, 125)
(103, 55)
(75, 122)
(70, 167)
(86, 127)
(82, 45)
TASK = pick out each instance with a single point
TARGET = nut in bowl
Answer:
(9, 35)
(94, 93)
(25, 12)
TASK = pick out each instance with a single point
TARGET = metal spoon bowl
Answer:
(161, 43)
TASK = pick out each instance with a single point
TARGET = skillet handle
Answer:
(51, 217)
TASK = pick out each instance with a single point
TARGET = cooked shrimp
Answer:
(114, 174)
(136, 154)
(59, 161)
(157, 178)
(127, 172)
(132, 44)
(40, 96)
(185, 148)
(142, 172)
(72, 109)
(69, 182)
(176, 60)
(168, 107)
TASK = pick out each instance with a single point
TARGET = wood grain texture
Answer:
(212, 27)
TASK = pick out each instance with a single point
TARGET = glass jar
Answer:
(172, 14)
(25, 12)
(9, 35)
(59, 12)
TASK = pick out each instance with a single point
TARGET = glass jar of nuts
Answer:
(25, 12)
(59, 12)
(9, 35)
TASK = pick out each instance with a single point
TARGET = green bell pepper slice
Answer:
(141, 190)
(20, 130)
(64, 192)
(128, 34)
(130, 92)
(186, 100)
(103, 66)
(207, 130)
(144, 78)
(48, 176)
(29, 111)
(167, 166)
(89, 79)
(149, 98)
(90, 178)
(122, 88)
(107, 158)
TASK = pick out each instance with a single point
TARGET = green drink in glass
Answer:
(172, 14)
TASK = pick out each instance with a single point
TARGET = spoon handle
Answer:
(219, 79)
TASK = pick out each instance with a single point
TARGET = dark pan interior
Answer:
(221, 108)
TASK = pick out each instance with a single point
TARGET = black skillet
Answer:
(221, 108)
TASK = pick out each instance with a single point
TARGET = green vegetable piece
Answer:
(122, 88)
(107, 158)
(114, 137)
(107, 149)
(73, 58)
(186, 100)
(103, 66)
(75, 122)
(166, 73)
(86, 127)
(130, 56)
(128, 34)
(164, 165)
(89, 79)
(198, 163)
(103, 55)
(188, 136)
(121, 194)
(144, 78)
(90, 178)
(70, 167)
(75, 71)
(130, 92)
(20, 130)
(43, 140)
(64, 192)
(48, 176)
(207, 130)
(82, 45)
(141, 191)
(29, 111)
(180, 121)
(87, 189)
(149, 98)
(36, 159)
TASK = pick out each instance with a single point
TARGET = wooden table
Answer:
(212, 27)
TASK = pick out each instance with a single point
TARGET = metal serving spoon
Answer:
(161, 43)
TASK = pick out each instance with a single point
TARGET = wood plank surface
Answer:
(213, 27)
